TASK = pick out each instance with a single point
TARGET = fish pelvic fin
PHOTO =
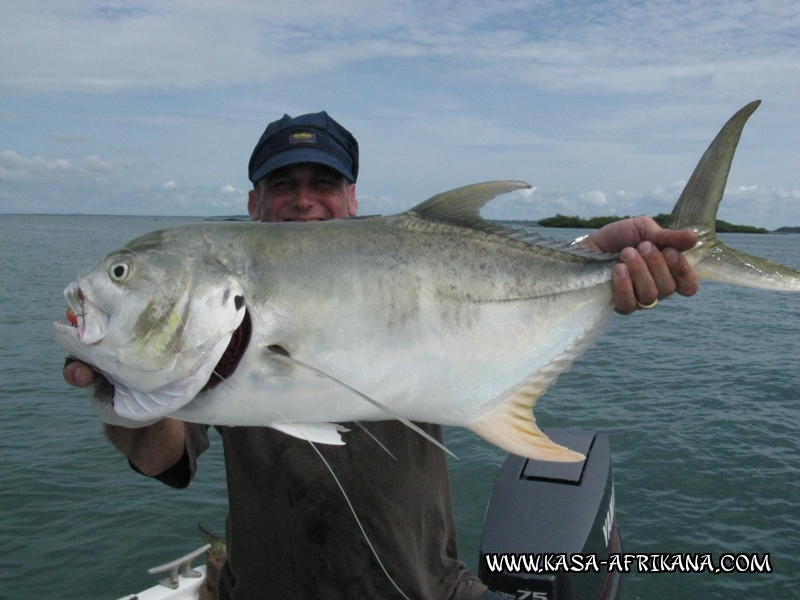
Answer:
(697, 207)
(512, 427)
(321, 433)
(408, 423)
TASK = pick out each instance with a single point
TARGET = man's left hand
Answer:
(651, 265)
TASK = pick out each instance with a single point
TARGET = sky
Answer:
(604, 108)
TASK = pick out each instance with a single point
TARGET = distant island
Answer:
(662, 219)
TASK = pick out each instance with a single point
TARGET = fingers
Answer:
(680, 239)
(651, 275)
(686, 281)
(624, 294)
(647, 274)
(78, 374)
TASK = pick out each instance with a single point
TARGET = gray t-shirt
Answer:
(291, 534)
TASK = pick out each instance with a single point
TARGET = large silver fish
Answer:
(432, 315)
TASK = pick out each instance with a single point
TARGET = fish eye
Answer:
(119, 271)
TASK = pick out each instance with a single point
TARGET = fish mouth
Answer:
(84, 316)
(240, 340)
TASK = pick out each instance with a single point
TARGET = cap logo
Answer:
(303, 137)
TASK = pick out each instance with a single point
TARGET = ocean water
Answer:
(700, 397)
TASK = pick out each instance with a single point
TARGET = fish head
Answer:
(155, 322)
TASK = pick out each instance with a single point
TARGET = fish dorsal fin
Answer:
(462, 206)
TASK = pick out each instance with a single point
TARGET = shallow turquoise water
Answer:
(700, 398)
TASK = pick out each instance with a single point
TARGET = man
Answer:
(290, 531)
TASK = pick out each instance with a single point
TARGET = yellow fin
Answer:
(512, 427)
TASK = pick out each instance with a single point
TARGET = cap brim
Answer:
(296, 156)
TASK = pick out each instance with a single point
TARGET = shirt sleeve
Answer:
(182, 472)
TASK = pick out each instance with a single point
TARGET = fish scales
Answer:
(408, 310)
(433, 315)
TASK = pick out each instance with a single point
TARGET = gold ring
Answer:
(647, 306)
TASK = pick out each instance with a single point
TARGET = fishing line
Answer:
(375, 439)
(347, 498)
(372, 401)
(336, 480)
(358, 521)
(352, 510)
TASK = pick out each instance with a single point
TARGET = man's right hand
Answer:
(152, 449)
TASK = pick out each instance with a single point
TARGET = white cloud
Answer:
(169, 185)
(595, 198)
(653, 46)
(577, 99)
(14, 166)
(96, 164)
(770, 207)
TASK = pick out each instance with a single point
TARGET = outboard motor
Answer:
(550, 527)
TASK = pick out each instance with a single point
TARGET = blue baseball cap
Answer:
(311, 138)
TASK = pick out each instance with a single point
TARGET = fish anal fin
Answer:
(512, 427)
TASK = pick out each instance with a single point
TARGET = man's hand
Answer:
(78, 374)
(153, 449)
(652, 266)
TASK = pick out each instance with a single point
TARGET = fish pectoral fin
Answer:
(322, 433)
(512, 427)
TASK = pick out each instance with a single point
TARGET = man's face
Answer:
(302, 192)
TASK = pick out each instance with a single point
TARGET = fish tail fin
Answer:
(512, 427)
(697, 207)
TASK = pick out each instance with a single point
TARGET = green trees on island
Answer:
(662, 219)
